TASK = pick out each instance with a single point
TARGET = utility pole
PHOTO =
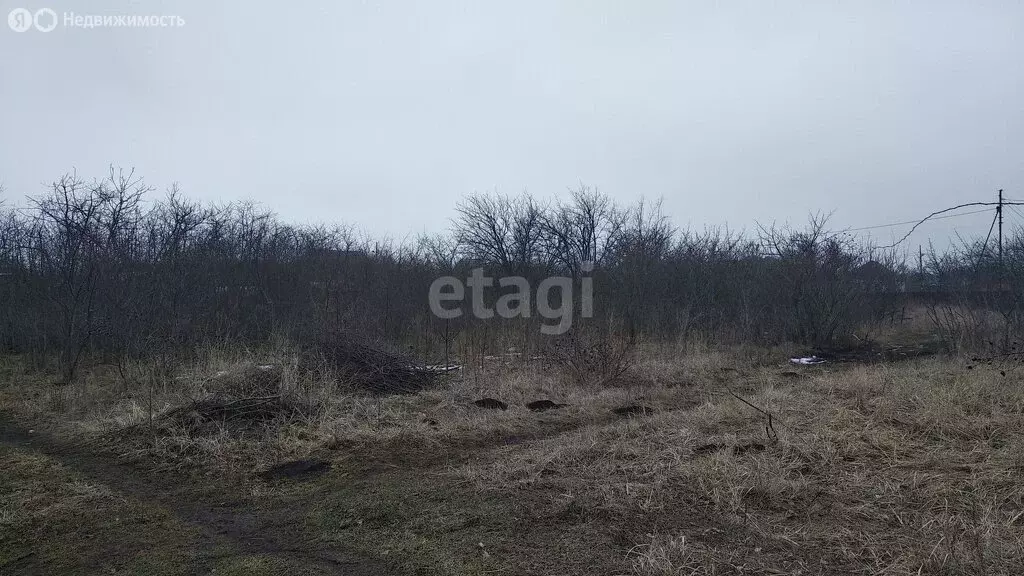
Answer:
(999, 212)
(1002, 271)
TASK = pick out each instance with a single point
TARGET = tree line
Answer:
(105, 269)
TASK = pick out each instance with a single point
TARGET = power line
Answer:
(934, 214)
(914, 221)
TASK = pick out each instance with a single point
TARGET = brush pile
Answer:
(375, 368)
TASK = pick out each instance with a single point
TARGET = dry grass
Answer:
(901, 468)
(882, 469)
(99, 529)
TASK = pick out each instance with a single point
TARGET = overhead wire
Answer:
(937, 213)
(894, 224)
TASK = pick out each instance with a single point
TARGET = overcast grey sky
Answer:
(385, 114)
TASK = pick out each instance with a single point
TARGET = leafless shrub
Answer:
(973, 300)
(594, 358)
(831, 286)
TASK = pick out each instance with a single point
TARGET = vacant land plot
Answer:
(698, 462)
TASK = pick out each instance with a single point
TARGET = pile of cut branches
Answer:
(374, 367)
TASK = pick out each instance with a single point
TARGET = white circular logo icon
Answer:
(21, 20)
(45, 20)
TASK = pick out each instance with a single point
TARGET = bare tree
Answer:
(582, 231)
(81, 236)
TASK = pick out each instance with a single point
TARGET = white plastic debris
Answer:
(442, 367)
(807, 360)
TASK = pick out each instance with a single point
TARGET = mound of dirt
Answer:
(634, 410)
(543, 405)
(491, 404)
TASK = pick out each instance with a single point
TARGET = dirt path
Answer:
(227, 524)
(233, 525)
